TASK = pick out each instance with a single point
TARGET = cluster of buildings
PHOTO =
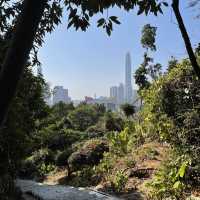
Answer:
(123, 93)
(60, 94)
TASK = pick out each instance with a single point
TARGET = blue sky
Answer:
(90, 62)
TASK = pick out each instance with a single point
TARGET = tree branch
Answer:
(19, 51)
(192, 57)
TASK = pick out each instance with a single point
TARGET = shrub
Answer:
(39, 164)
(106, 164)
(97, 130)
(85, 178)
(170, 180)
(61, 109)
(42, 156)
(119, 181)
(62, 158)
(89, 155)
(113, 123)
(119, 141)
(130, 163)
(83, 117)
(44, 169)
(59, 139)
(147, 153)
(128, 109)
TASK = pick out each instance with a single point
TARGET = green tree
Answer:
(147, 69)
(141, 73)
(172, 63)
(17, 132)
(148, 37)
(113, 122)
(100, 109)
(83, 117)
(128, 109)
(40, 17)
(185, 36)
(61, 109)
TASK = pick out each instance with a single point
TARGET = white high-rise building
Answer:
(60, 95)
(117, 94)
(120, 94)
(128, 77)
(114, 92)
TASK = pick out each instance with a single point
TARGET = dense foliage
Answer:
(171, 114)
(17, 133)
(96, 145)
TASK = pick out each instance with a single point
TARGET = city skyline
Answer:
(88, 62)
(123, 93)
(127, 76)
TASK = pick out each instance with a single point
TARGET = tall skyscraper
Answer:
(128, 77)
(120, 94)
(60, 94)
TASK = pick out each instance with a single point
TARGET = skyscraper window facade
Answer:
(128, 78)
(60, 95)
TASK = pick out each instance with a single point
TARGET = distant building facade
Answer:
(114, 93)
(120, 94)
(109, 103)
(60, 95)
(128, 78)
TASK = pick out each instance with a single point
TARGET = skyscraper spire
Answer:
(128, 83)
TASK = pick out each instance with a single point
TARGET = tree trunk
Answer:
(192, 57)
(18, 52)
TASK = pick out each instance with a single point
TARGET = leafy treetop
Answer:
(79, 14)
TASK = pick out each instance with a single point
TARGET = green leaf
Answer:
(182, 169)
(177, 185)
(108, 30)
(165, 4)
(100, 22)
(70, 23)
(115, 20)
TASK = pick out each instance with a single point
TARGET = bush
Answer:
(97, 130)
(83, 117)
(89, 155)
(113, 123)
(62, 158)
(171, 179)
(42, 156)
(119, 181)
(59, 139)
(39, 164)
(128, 109)
(119, 141)
(44, 169)
(106, 164)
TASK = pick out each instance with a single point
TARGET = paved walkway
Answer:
(57, 192)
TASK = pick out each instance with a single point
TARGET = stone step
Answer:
(57, 192)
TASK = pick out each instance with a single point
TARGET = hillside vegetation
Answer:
(151, 154)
